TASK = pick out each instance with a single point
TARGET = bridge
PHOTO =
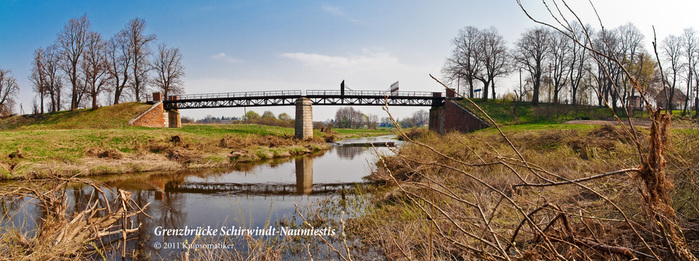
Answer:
(317, 97)
(446, 114)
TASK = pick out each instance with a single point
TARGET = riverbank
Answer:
(543, 192)
(250, 195)
(44, 152)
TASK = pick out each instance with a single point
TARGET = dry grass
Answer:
(464, 197)
(65, 234)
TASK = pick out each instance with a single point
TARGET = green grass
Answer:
(240, 129)
(107, 117)
(676, 114)
(510, 112)
(353, 133)
(544, 126)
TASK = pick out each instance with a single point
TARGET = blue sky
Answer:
(300, 45)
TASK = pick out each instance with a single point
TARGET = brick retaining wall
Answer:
(153, 117)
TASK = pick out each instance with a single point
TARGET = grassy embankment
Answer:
(92, 142)
(468, 196)
(518, 113)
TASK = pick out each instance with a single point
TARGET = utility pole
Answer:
(458, 83)
(520, 85)
(550, 83)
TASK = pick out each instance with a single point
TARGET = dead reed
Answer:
(99, 224)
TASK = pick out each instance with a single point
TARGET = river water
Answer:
(260, 197)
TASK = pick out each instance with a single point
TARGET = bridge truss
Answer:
(317, 97)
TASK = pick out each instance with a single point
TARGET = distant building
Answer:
(634, 103)
(677, 100)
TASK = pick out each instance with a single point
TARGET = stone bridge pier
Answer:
(452, 116)
(304, 119)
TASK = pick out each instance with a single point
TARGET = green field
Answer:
(510, 112)
(89, 142)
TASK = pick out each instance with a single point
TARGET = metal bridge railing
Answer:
(225, 95)
(367, 93)
(298, 93)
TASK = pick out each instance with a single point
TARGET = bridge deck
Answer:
(317, 97)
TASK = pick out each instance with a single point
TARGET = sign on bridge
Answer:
(394, 88)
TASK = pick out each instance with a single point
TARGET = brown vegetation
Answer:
(469, 196)
(64, 234)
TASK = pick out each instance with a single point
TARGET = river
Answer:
(260, 197)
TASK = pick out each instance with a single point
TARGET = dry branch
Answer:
(62, 234)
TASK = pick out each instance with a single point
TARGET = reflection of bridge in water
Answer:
(304, 185)
(261, 188)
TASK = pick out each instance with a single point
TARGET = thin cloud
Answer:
(225, 58)
(333, 10)
(321, 60)
(338, 12)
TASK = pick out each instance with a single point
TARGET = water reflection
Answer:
(349, 152)
(304, 175)
(245, 195)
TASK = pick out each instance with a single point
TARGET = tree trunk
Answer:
(537, 86)
(41, 98)
(74, 96)
(484, 91)
(492, 84)
(470, 88)
(686, 100)
(94, 101)
(117, 94)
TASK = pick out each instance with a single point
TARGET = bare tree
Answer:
(119, 59)
(372, 121)
(54, 87)
(72, 41)
(578, 62)
(8, 91)
(38, 76)
(672, 48)
(348, 117)
(421, 117)
(94, 65)
(630, 48)
(465, 62)
(494, 59)
(168, 67)
(608, 70)
(532, 50)
(689, 50)
(561, 56)
(139, 46)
